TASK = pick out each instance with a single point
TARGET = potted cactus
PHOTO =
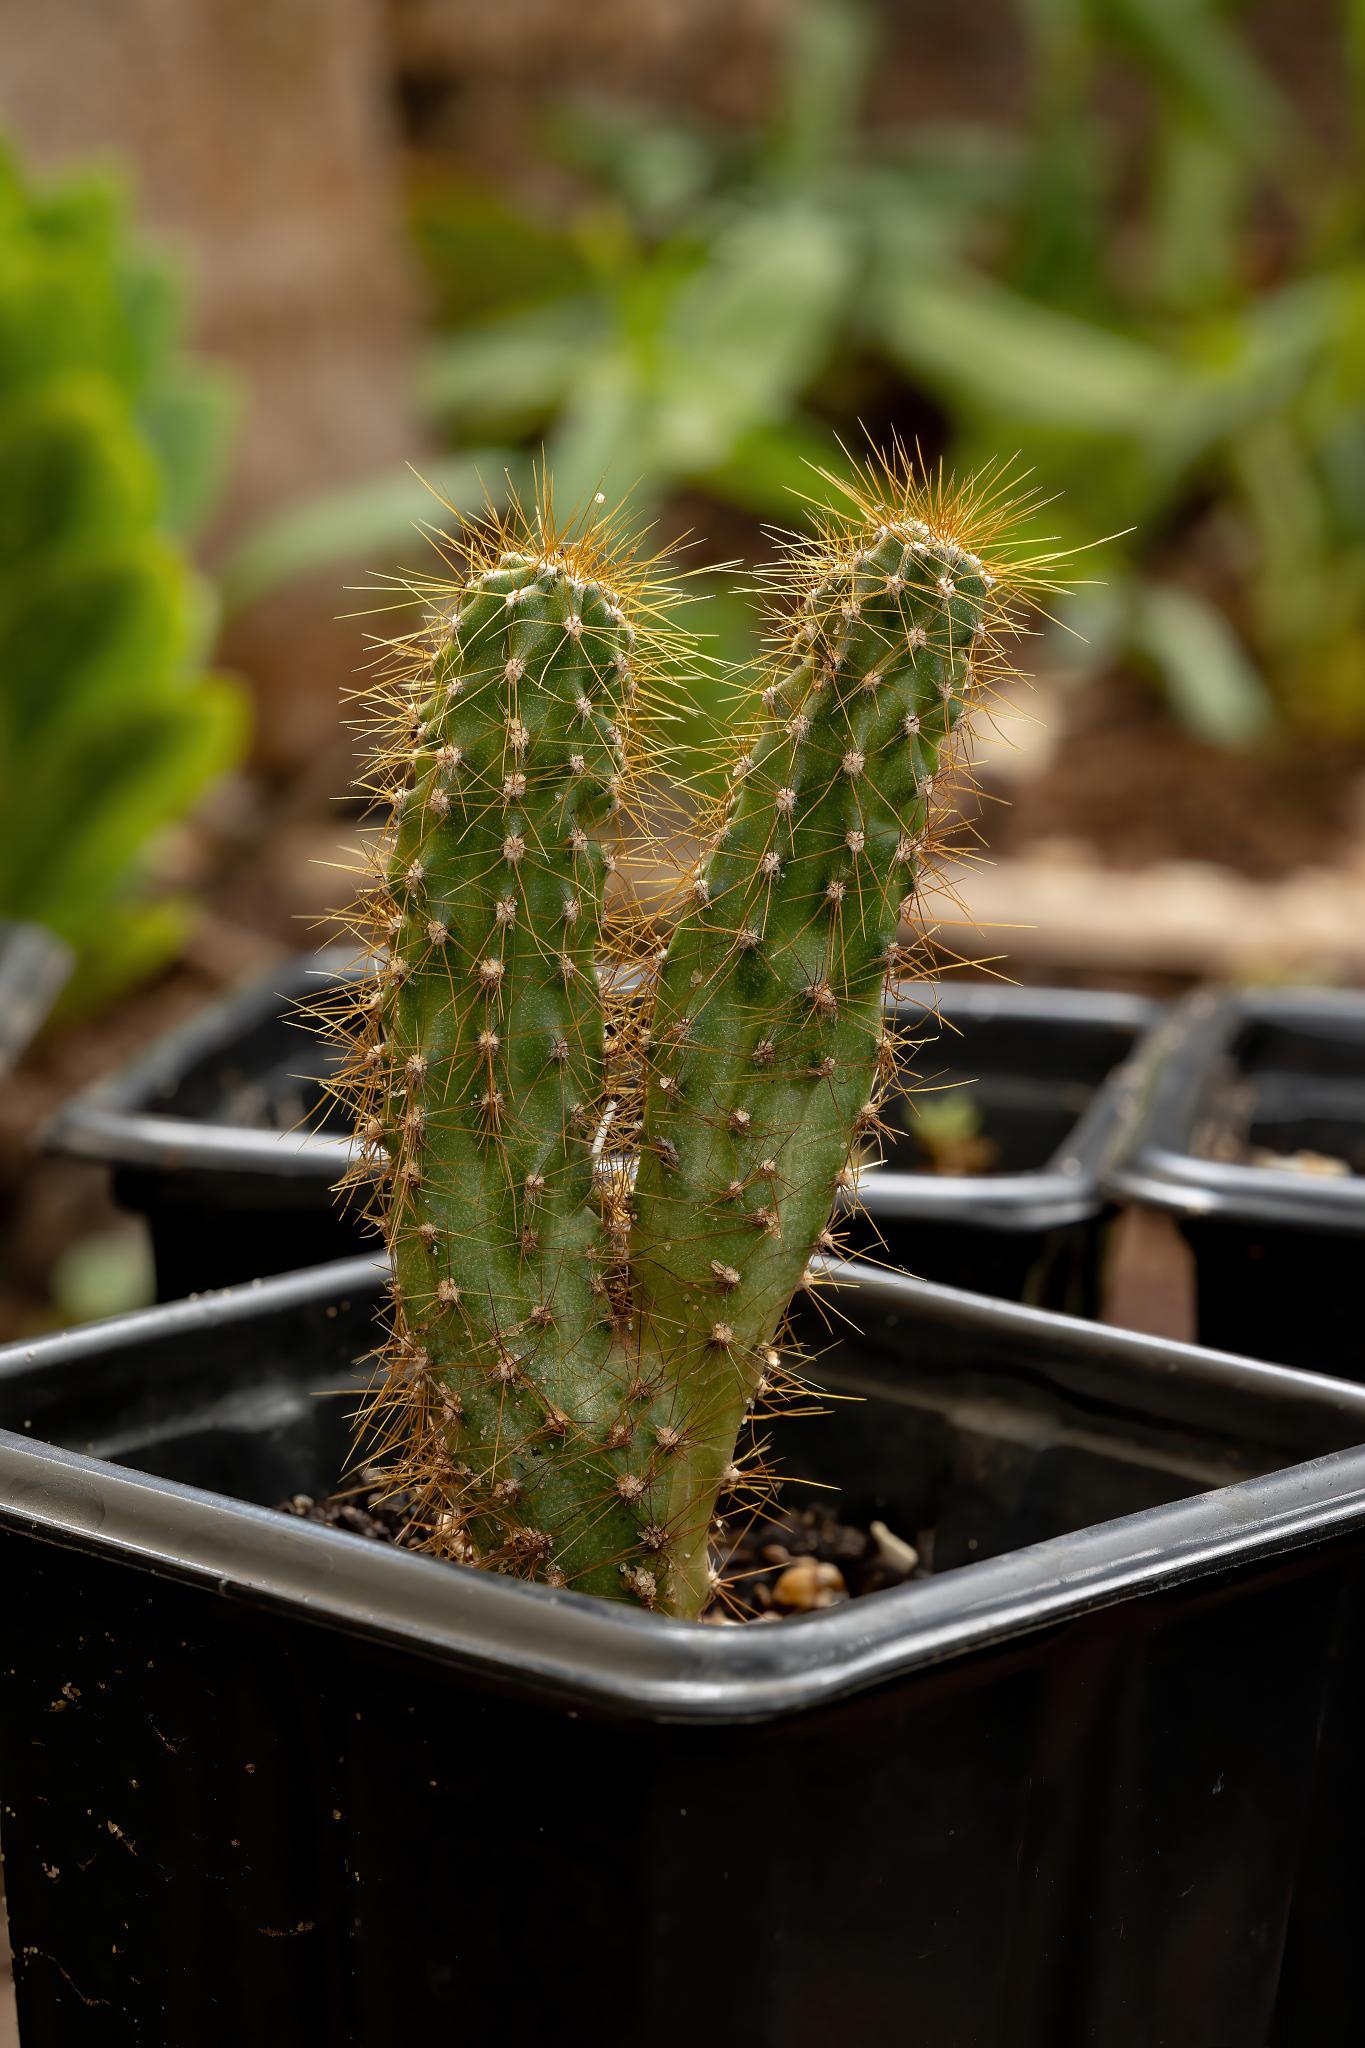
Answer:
(378, 1793)
(600, 1191)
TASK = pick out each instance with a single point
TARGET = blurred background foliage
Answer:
(1119, 239)
(111, 448)
(1148, 286)
(1171, 339)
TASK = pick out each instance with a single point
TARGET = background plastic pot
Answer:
(1095, 1782)
(219, 1136)
(222, 1136)
(1039, 1078)
(1252, 1135)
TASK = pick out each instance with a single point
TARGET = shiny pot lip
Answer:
(110, 1122)
(615, 1658)
(1156, 1165)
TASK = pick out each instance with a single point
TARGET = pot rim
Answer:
(1156, 1165)
(109, 1122)
(595, 1652)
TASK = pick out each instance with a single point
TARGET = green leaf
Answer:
(771, 470)
(989, 350)
(84, 637)
(75, 470)
(1206, 66)
(368, 524)
(1213, 687)
(188, 418)
(659, 169)
(1201, 188)
(513, 373)
(132, 943)
(750, 330)
(830, 48)
(110, 807)
(486, 255)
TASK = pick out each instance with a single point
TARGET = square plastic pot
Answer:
(1046, 1072)
(223, 1136)
(1246, 1097)
(220, 1136)
(1096, 1781)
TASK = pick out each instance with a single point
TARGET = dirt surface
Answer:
(783, 1562)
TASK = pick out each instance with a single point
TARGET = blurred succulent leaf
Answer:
(748, 332)
(964, 172)
(989, 350)
(772, 470)
(107, 434)
(369, 524)
(75, 468)
(1201, 61)
(487, 256)
(81, 634)
(661, 169)
(606, 437)
(178, 745)
(697, 361)
(513, 373)
(187, 419)
(132, 942)
(1060, 251)
(826, 61)
(1213, 687)
(1289, 518)
(1200, 188)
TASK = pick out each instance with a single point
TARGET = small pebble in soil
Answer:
(809, 1584)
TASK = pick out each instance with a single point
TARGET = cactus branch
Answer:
(769, 1054)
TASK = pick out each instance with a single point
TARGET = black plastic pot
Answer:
(222, 1135)
(1046, 1071)
(1096, 1782)
(1234, 1081)
(219, 1137)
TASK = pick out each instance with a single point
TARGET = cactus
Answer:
(589, 1302)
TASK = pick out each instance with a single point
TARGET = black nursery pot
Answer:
(220, 1136)
(223, 1136)
(1094, 1782)
(1236, 1081)
(1047, 1071)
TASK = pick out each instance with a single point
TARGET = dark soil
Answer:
(368, 1512)
(793, 1560)
(787, 1561)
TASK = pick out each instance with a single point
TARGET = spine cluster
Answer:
(588, 1293)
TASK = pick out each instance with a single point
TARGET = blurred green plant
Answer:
(1170, 329)
(111, 450)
